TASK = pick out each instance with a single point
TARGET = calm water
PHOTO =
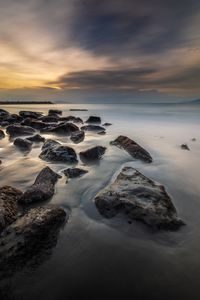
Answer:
(101, 258)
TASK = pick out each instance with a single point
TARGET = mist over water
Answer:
(101, 258)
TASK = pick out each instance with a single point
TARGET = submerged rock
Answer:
(92, 128)
(54, 151)
(30, 114)
(94, 153)
(54, 112)
(37, 138)
(2, 134)
(74, 172)
(135, 150)
(93, 119)
(139, 198)
(9, 197)
(193, 139)
(43, 187)
(77, 136)
(185, 147)
(17, 130)
(23, 144)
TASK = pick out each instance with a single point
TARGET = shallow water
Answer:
(101, 258)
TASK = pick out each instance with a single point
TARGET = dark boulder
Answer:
(138, 197)
(92, 128)
(9, 197)
(185, 147)
(49, 119)
(37, 138)
(23, 144)
(2, 134)
(74, 172)
(54, 151)
(19, 130)
(3, 113)
(135, 150)
(43, 187)
(36, 124)
(53, 112)
(30, 114)
(77, 136)
(62, 129)
(93, 119)
(94, 153)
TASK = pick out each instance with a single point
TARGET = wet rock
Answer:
(55, 112)
(37, 138)
(49, 119)
(36, 124)
(62, 129)
(135, 150)
(93, 128)
(77, 136)
(138, 197)
(72, 119)
(10, 119)
(93, 119)
(19, 130)
(23, 144)
(107, 124)
(74, 172)
(2, 134)
(43, 187)
(54, 151)
(9, 197)
(94, 153)
(185, 147)
(30, 114)
(3, 112)
(101, 133)
(30, 239)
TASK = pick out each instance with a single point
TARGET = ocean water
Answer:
(102, 258)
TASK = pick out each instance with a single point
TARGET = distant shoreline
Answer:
(24, 102)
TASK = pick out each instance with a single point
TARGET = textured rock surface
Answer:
(135, 150)
(23, 144)
(78, 136)
(36, 124)
(62, 128)
(9, 197)
(19, 130)
(37, 138)
(93, 153)
(54, 151)
(139, 198)
(74, 172)
(43, 187)
(30, 114)
(92, 128)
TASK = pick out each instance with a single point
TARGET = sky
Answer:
(57, 49)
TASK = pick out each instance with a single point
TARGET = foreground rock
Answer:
(19, 130)
(23, 144)
(185, 147)
(30, 114)
(93, 119)
(43, 187)
(74, 172)
(9, 197)
(2, 134)
(138, 197)
(62, 128)
(92, 154)
(78, 136)
(30, 239)
(37, 138)
(54, 151)
(96, 128)
(135, 150)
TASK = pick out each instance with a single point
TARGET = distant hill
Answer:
(24, 102)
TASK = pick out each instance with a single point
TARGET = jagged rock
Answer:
(3, 112)
(107, 124)
(74, 172)
(49, 119)
(19, 130)
(9, 197)
(54, 151)
(2, 134)
(63, 128)
(30, 114)
(36, 124)
(37, 138)
(54, 112)
(93, 128)
(185, 147)
(139, 198)
(93, 119)
(77, 136)
(135, 150)
(43, 187)
(23, 144)
(93, 153)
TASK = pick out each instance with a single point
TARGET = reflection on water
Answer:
(95, 255)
